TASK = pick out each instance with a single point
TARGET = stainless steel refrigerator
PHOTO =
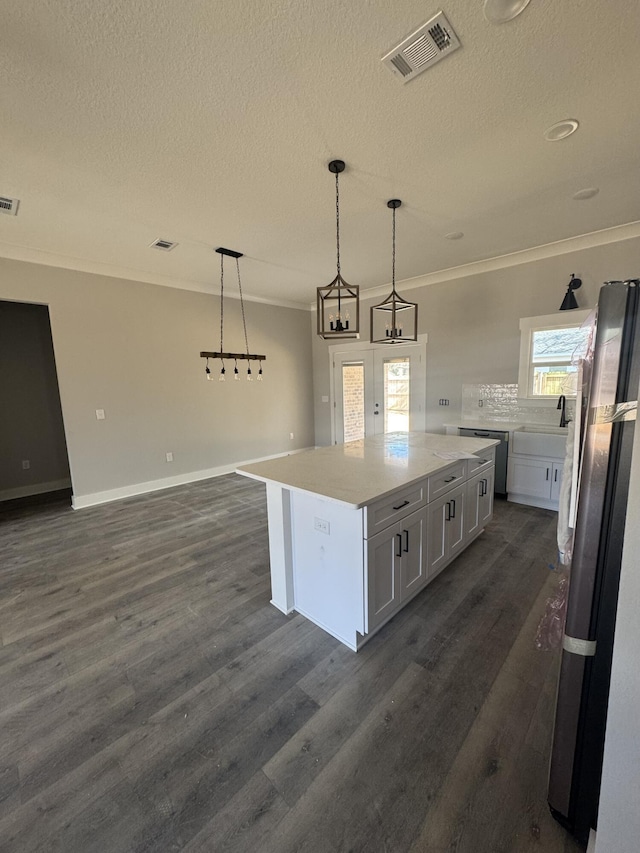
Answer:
(609, 404)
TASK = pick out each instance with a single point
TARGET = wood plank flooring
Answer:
(153, 700)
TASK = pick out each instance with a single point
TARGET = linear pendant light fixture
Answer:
(395, 320)
(338, 306)
(232, 356)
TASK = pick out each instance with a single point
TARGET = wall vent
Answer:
(9, 205)
(164, 245)
(422, 49)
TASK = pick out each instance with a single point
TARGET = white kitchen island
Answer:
(357, 530)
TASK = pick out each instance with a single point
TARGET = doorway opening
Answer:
(34, 464)
(377, 390)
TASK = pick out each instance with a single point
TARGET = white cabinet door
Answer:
(556, 481)
(486, 498)
(437, 544)
(384, 556)
(530, 477)
(478, 506)
(413, 569)
(447, 534)
(456, 527)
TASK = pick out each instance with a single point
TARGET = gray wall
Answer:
(30, 416)
(473, 323)
(132, 349)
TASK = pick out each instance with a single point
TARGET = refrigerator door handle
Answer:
(576, 646)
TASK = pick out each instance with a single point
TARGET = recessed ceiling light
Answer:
(589, 192)
(501, 11)
(561, 129)
(454, 235)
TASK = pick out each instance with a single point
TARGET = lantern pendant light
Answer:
(395, 320)
(339, 302)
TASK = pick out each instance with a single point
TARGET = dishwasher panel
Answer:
(502, 451)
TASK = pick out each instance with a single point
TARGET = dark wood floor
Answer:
(153, 700)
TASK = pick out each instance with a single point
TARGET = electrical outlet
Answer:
(291, 435)
(26, 464)
(325, 399)
(443, 401)
(480, 403)
(100, 414)
(321, 525)
(169, 456)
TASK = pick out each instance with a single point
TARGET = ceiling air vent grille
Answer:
(9, 205)
(164, 245)
(422, 49)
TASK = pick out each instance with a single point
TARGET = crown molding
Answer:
(617, 234)
(52, 259)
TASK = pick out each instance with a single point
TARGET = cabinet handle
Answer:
(481, 488)
(555, 476)
(404, 503)
(399, 551)
(448, 511)
(450, 479)
(406, 541)
(547, 473)
(453, 511)
(482, 434)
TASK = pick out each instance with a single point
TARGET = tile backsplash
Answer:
(496, 403)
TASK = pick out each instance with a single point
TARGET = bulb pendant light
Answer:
(394, 320)
(569, 302)
(338, 305)
(247, 356)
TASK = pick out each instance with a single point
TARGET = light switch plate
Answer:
(100, 414)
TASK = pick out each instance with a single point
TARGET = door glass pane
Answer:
(353, 400)
(396, 394)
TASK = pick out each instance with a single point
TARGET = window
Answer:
(548, 346)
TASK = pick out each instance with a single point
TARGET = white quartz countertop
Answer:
(359, 472)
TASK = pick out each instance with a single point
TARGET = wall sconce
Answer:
(569, 302)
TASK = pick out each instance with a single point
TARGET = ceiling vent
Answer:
(9, 205)
(164, 245)
(422, 49)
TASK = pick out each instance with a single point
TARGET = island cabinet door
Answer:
(446, 529)
(478, 507)
(413, 568)
(486, 499)
(383, 577)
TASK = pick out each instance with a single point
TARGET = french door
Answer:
(377, 390)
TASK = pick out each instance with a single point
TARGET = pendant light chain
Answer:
(244, 321)
(338, 223)
(221, 302)
(393, 253)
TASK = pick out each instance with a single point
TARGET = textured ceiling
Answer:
(211, 123)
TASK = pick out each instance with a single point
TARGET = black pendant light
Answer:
(338, 302)
(569, 302)
(232, 356)
(395, 320)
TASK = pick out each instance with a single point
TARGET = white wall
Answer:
(132, 349)
(472, 322)
(619, 815)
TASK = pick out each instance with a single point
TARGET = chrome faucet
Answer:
(562, 403)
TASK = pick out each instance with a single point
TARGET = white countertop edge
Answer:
(370, 498)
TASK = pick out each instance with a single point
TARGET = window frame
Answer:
(529, 325)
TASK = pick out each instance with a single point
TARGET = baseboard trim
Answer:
(34, 489)
(84, 501)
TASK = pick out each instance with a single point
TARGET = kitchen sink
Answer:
(540, 441)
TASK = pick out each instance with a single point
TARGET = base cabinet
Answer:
(396, 567)
(535, 480)
(479, 502)
(446, 529)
